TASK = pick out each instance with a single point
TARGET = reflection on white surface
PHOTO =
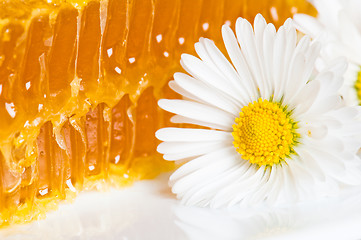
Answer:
(332, 219)
(149, 211)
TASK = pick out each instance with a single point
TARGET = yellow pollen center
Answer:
(264, 133)
(358, 86)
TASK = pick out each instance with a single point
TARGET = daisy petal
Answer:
(239, 62)
(191, 150)
(307, 24)
(301, 103)
(206, 94)
(178, 89)
(179, 147)
(297, 66)
(197, 111)
(182, 119)
(278, 57)
(246, 40)
(199, 162)
(214, 185)
(201, 71)
(226, 68)
(202, 177)
(191, 135)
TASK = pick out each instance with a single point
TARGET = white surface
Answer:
(149, 211)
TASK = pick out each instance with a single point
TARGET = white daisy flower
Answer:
(274, 135)
(338, 28)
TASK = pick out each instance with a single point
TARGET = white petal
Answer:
(191, 135)
(260, 195)
(329, 162)
(186, 95)
(204, 177)
(311, 56)
(236, 56)
(325, 105)
(293, 60)
(248, 185)
(179, 147)
(203, 54)
(205, 93)
(228, 72)
(234, 193)
(349, 33)
(211, 188)
(347, 113)
(178, 150)
(198, 111)
(203, 72)
(245, 36)
(303, 101)
(278, 57)
(259, 29)
(200, 162)
(302, 174)
(268, 42)
(295, 70)
(275, 188)
(331, 144)
(310, 164)
(351, 129)
(182, 119)
(303, 44)
(307, 24)
(289, 190)
(315, 131)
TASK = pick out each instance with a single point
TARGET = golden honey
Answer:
(79, 83)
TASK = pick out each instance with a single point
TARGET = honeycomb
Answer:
(79, 83)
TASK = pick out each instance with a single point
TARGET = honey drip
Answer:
(79, 83)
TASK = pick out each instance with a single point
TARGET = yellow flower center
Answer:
(264, 133)
(358, 86)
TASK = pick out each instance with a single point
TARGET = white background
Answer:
(148, 210)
